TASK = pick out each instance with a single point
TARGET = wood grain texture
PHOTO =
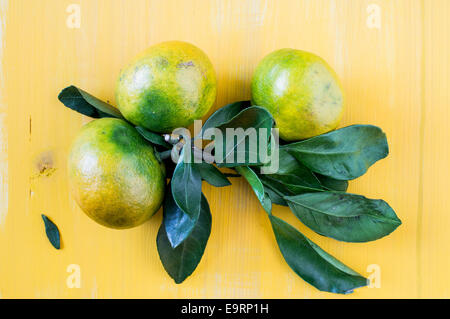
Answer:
(396, 77)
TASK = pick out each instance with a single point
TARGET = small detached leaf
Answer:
(52, 232)
(257, 186)
(178, 224)
(153, 138)
(313, 264)
(344, 154)
(343, 216)
(212, 175)
(187, 186)
(87, 104)
(180, 262)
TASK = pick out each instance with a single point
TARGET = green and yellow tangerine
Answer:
(114, 174)
(301, 91)
(167, 86)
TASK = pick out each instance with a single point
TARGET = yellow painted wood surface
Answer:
(396, 76)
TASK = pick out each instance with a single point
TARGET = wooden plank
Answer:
(434, 237)
(395, 77)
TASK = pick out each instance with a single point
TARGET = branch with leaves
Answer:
(312, 181)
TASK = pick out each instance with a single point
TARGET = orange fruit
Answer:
(301, 91)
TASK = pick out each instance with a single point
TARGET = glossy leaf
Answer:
(343, 216)
(274, 195)
(286, 187)
(212, 175)
(52, 232)
(237, 151)
(178, 224)
(313, 264)
(292, 177)
(288, 165)
(344, 154)
(180, 262)
(275, 186)
(332, 184)
(257, 186)
(224, 114)
(187, 186)
(87, 104)
(153, 138)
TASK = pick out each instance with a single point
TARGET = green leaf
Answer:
(153, 138)
(244, 149)
(293, 173)
(275, 186)
(274, 195)
(344, 154)
(288, 165)
(313, 264)
(224, 114)
(178, 224)
(343, 216)
(332, 184)
(180, 262)
(257, 186)
(292, 177)
(187, 186)
(285, 187)
(52, 232)
(86, 104)
(212, 175)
